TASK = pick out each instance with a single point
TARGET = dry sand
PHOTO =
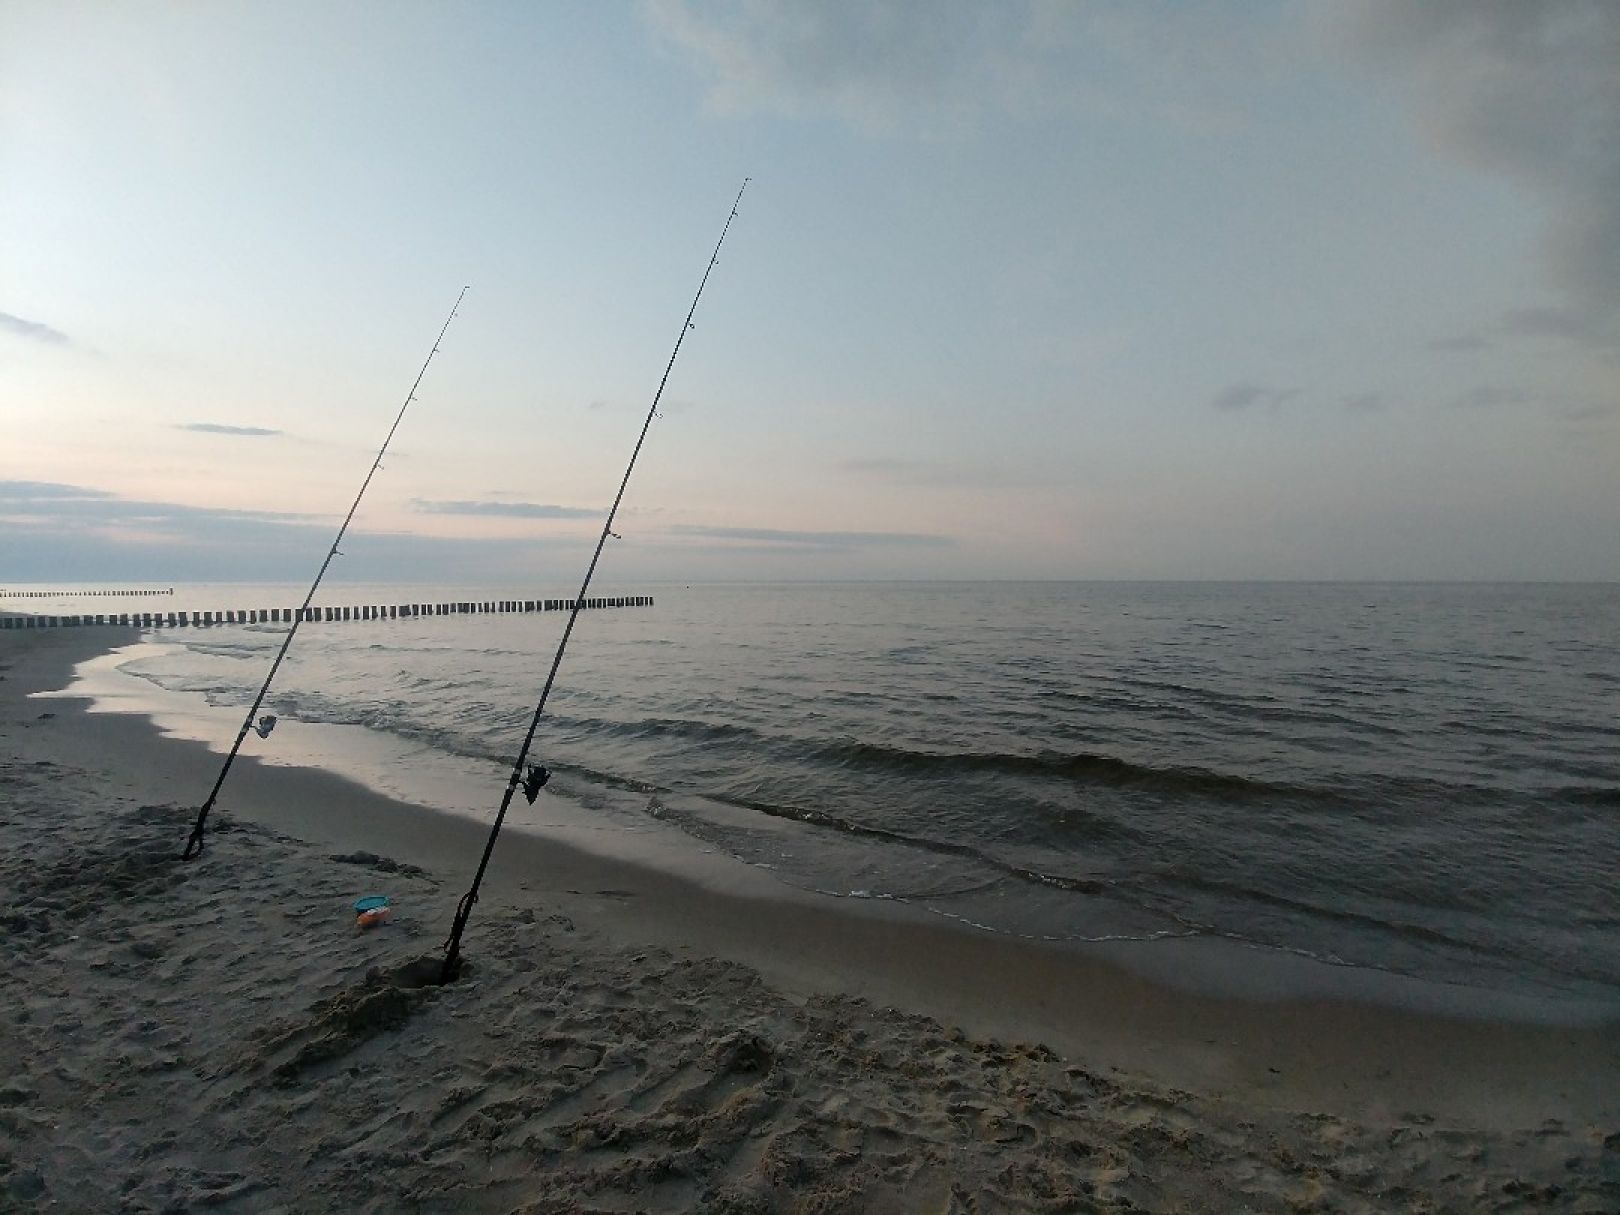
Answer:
(219, 1034)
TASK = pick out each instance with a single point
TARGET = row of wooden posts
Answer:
(388, 611)
(5, 594)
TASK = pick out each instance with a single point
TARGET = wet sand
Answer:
(626, 1039)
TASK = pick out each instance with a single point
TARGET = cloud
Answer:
(864, 61)
(1491, 397)
(818, 540)
(51, 531)
(1364, 402)
(510, 510)
(1568, 406)
(1245, 395)
(54, 503)
(1571, 325)
(35, 491)
(1591, 411)
(56, 532)
(1528, 89)
(219, 428)
(949, 474)
(939, 65)
(36, 330)
(90, 556)
(1465, 341)
(1545, 322)
(1565, 323)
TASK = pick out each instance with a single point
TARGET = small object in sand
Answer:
(265, 724)
(373, 916)
(370, 903)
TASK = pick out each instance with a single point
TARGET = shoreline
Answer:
(1198, 964)
(1288, 1060)
(867, 950)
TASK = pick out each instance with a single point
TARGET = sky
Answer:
(1040, 289)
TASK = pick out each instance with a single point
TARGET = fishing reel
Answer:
(534, 780)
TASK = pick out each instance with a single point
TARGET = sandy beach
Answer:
(220, 1034)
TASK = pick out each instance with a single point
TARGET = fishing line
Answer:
(532, 779)
(194, 845)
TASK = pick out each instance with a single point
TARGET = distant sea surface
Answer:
(1420, 779)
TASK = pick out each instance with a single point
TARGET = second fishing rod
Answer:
(523, 776)
(194, 843)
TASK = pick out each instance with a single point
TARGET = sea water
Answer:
(1416, 779)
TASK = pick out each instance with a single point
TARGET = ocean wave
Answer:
(1501, 951)
(1243, 892)
(812, 817)
(227, 649)
(1590, 795)
(1086, 767)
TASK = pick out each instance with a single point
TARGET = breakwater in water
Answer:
(114, 594)
(328, 613)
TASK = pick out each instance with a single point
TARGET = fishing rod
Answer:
(194, 845)
(535, 777)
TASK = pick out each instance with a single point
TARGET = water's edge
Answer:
(446, 783)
